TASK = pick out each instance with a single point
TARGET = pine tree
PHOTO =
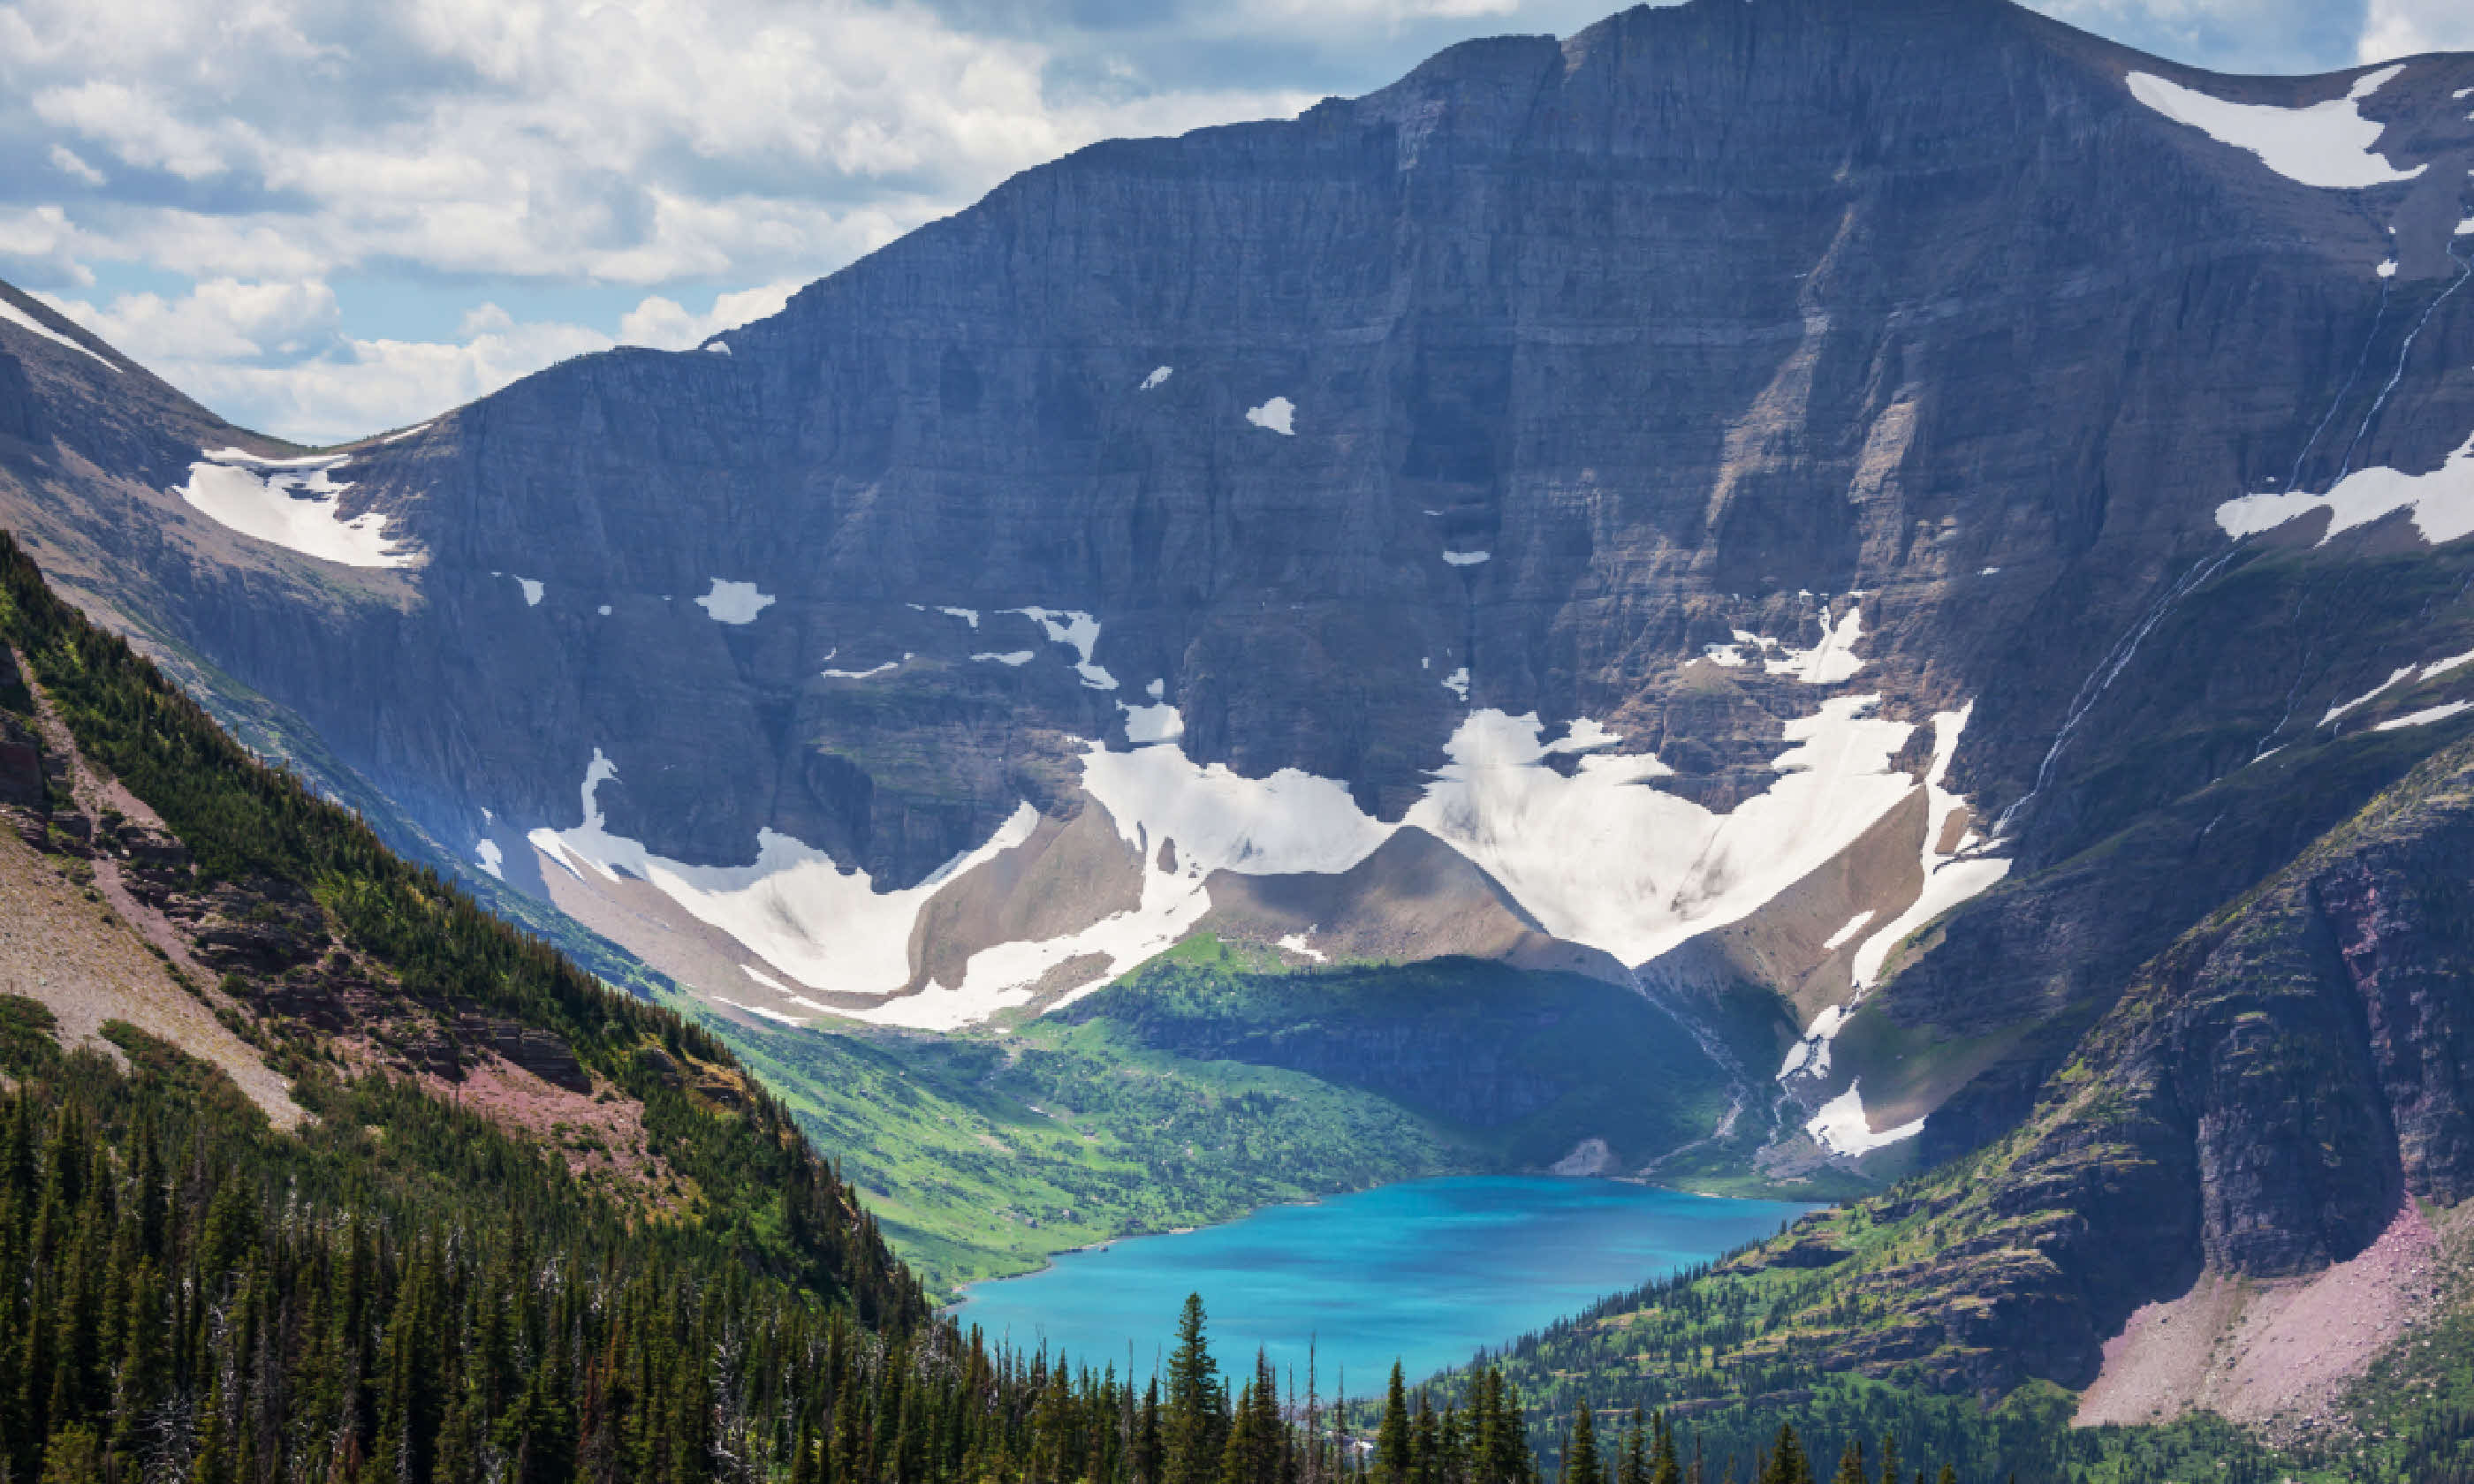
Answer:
(1150, 1451)
(1664, 1468)
(1191, 1425)
(1395, 1456)
(1632, 1453)
(1580, 1461)
(1787, 1463)
(1851, 1465)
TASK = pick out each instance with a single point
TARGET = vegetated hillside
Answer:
(1219, 1080)
(2238, 1202)
(392, 1077)
(982, 1154)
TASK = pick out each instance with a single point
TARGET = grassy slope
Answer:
(1159, 1102)
(982, 1154)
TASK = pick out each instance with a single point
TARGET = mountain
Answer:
(1868, 525)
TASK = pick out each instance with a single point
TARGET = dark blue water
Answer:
(1424, 1272)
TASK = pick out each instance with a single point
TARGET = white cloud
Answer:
(282, 351)
(68, 162)
(663, 324)
(567, 140)
(42, 248)
(2407, 28)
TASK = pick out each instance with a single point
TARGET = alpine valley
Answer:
(1853, 602)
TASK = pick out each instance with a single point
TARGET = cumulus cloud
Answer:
(2406, 28)
(2227, 36)
(282, 350)
(561, 140)
(665, 325)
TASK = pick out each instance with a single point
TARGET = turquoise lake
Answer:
(1424, 1272)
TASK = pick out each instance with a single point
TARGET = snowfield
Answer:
(1569, 825)
(291, 503)
(733, 603)
(2328, 144)
(2442, 502)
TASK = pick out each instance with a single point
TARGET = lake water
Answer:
(1426, 1271)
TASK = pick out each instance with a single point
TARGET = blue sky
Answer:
(326, 218)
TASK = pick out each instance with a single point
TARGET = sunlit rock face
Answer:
(1744, 495)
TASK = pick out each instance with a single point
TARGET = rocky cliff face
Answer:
(1824, 500)
(2255, 1106)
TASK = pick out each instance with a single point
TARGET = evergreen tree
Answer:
(1632, 1452)
(1580, 1461)
(1394, 1454)
(1787, 1463)
(1191, 1425)
(1664, 1468)
(1150, 1451)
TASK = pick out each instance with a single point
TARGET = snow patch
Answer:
(532, 589)
(603, 611)
(968, 616)
(1457, 682)
(2424, 717)
(1016, 658)
(1296, 943)
(760, 1010)
(719, 347)
(1159, 722)
(1827, 664)
(492, 858)
(26, 322)
(2387, 270)
(1842, 1128)
(1076, 630)
(1275, 415)
(1601, 859)
(1831, 661)
(1810, 1056)
(806, 918)
(2442, 502)
(868, 673)
(292, 503)
(1948, 879)
(2329, 145)
(1466, 558)
(1586, 735)
(2337, 712)
(1158, 376)
(1855, 924)
(733, 603)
